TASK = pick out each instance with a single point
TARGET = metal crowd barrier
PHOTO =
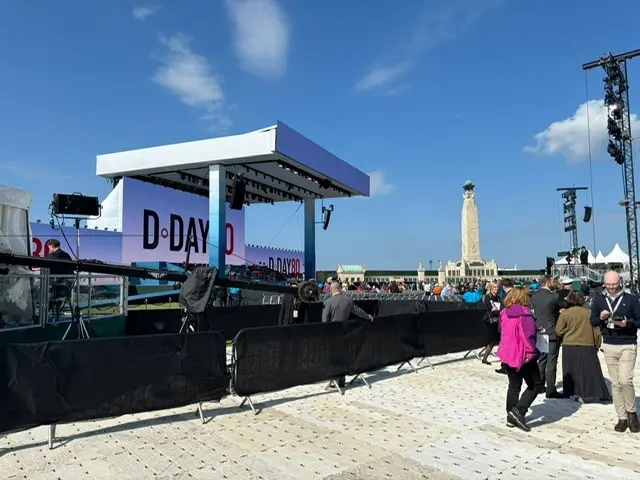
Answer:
(35, 299)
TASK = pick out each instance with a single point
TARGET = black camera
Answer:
(618, 318)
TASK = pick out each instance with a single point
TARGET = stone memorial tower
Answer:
(470, 226)
(471, 267)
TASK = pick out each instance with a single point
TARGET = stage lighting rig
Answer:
(569, 198)
(620, 146)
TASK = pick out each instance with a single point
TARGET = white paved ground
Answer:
(444, 423)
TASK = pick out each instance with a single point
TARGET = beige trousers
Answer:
(621, 362)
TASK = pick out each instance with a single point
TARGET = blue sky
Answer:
(425, 96)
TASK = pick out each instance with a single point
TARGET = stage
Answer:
(441, 423)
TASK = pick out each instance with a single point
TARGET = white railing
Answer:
(577, 272)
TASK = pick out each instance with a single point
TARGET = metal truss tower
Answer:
(569, 197)
(620, 146)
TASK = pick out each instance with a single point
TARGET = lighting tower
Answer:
(620, 147)
(569, 198)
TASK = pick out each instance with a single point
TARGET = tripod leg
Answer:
(66, 334)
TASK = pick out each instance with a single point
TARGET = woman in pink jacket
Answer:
(519, 357)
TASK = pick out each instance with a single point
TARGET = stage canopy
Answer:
(276, 163)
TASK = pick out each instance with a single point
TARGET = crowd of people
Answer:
(470, 292)
(532, 326)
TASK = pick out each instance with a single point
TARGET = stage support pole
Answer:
(217, 217)
(309, 239)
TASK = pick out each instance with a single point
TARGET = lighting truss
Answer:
(620, 146)
(569, 200)
(322, 183)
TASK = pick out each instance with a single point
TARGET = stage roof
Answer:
(277, 164)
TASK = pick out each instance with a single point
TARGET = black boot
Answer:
(634, 424)
(621, 426)
(517, 417)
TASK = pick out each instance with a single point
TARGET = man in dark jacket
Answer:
(338, 308)
(546, 309)
(618, 313)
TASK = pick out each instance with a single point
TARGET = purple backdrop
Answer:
(190, 211)
(94, 244)
(156, 222)
(286, 261)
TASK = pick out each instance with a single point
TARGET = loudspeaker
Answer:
(237, 195)
(75, 205)
(587, 214)
(550, 263)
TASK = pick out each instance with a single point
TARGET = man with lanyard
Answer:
(618, 313)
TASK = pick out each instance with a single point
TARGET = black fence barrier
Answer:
(441, 333)
(68, 381)
(230, 320)
(398, 307)
(275, 358)
(447, 306)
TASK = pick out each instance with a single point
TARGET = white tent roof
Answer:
(111, 217)
(599, 257)
(617, 255)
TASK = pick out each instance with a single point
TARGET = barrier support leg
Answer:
(428, 361)
(246, 400)
(408, 362)
(333, 383)
(52, 436)
(359, 377)
(200, 413)
(478, 355)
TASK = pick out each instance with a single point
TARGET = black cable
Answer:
(593, 221)
(71, 252)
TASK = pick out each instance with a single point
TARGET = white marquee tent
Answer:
(617, 255)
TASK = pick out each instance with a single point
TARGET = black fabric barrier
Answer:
(386, 341)
(441, 333)
(398, 307)
(230, 320)
(78, 380)
(275, 358)
(444, 306)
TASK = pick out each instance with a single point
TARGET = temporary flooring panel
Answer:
(444, 423)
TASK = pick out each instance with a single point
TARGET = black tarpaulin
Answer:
(197, 289)
(79, 380)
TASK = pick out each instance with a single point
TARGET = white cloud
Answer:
(378, 184)
(189, 76)
(381, 76)
(142, 13)
(262, 33)
(438, 24)
(569, 138)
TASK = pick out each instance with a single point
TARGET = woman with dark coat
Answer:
(581, 372)
(492, 303)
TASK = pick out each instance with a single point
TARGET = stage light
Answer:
(75, 205)
(614, 129)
